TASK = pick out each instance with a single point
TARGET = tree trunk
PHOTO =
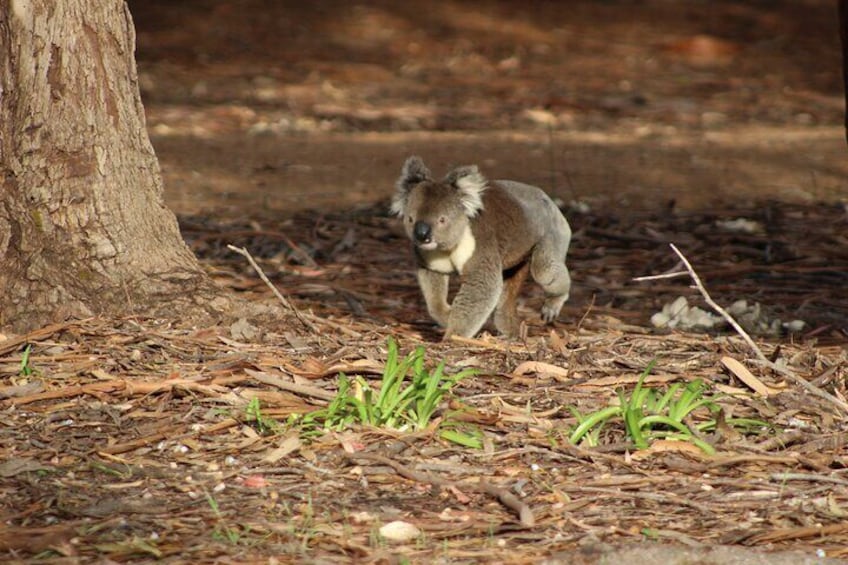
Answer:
(83, 227)
(843, 39)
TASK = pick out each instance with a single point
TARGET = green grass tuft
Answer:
(407, 397)
(649, 414)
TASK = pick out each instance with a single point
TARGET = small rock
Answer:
(740, 225)
(751, 317)
(242, 330)
(795, 326)
(362, 517)
(678, 314)
(399, 531)
(539, 116)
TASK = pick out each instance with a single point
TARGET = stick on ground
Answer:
(522, 510)
(288, 305)
(803, 383)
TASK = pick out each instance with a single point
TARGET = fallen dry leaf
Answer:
(351, 443)
(614, 381)
(540, 368)
(289, 445)
(743, 374)
(460, 496)
(704, 49)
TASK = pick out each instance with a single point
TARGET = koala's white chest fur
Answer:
(448, 262)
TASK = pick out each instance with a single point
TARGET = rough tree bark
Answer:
(83, 227)
(843, 38)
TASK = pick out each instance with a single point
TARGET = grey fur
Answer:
(414, 172)
(471, 185)
(491, 233)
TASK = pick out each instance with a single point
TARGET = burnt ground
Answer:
(281, 128)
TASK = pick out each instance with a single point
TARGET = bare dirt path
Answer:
(618, 171)
(702, 102)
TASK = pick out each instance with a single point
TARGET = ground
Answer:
(714, 126)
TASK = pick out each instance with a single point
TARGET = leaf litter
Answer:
(130, 439)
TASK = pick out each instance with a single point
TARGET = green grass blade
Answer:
(25, 369)
(592, 420)
(691, 398)
(429, 402)
(463, 439)
(392, 374)
(632, 422)
(666, 398)
(656, 419)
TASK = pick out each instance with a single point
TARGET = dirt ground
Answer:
(621, 104)
(281, 127)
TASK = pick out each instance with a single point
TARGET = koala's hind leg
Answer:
(434, 287)
(547, 265)
(473, 303)
(506, 312)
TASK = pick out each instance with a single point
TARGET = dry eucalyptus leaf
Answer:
(743, 374)
(539, 368)
(289, 445)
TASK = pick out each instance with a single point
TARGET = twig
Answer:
(493, 345)
(733, 460)
(288, 305)
(586, 313)
(806, 385)
(168, 434)
(722, 312)
(802, 532)
(342, 328)
(127, 387)
(781, 441)
(671, 275)
(665, 499)
(524, 512)
(808, 477)
(14, 343)
(299, 389)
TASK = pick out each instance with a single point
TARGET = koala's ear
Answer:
(414, 171)
(470, 183)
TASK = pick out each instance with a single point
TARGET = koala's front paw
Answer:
(453, 330)
(551, 308)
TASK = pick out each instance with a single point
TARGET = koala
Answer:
(489, 233)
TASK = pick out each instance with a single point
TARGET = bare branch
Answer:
(288, 305)
(803, 383)
(522, 510)
(672, 275)
(721, 311)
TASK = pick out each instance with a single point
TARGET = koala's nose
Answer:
(422, 232)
